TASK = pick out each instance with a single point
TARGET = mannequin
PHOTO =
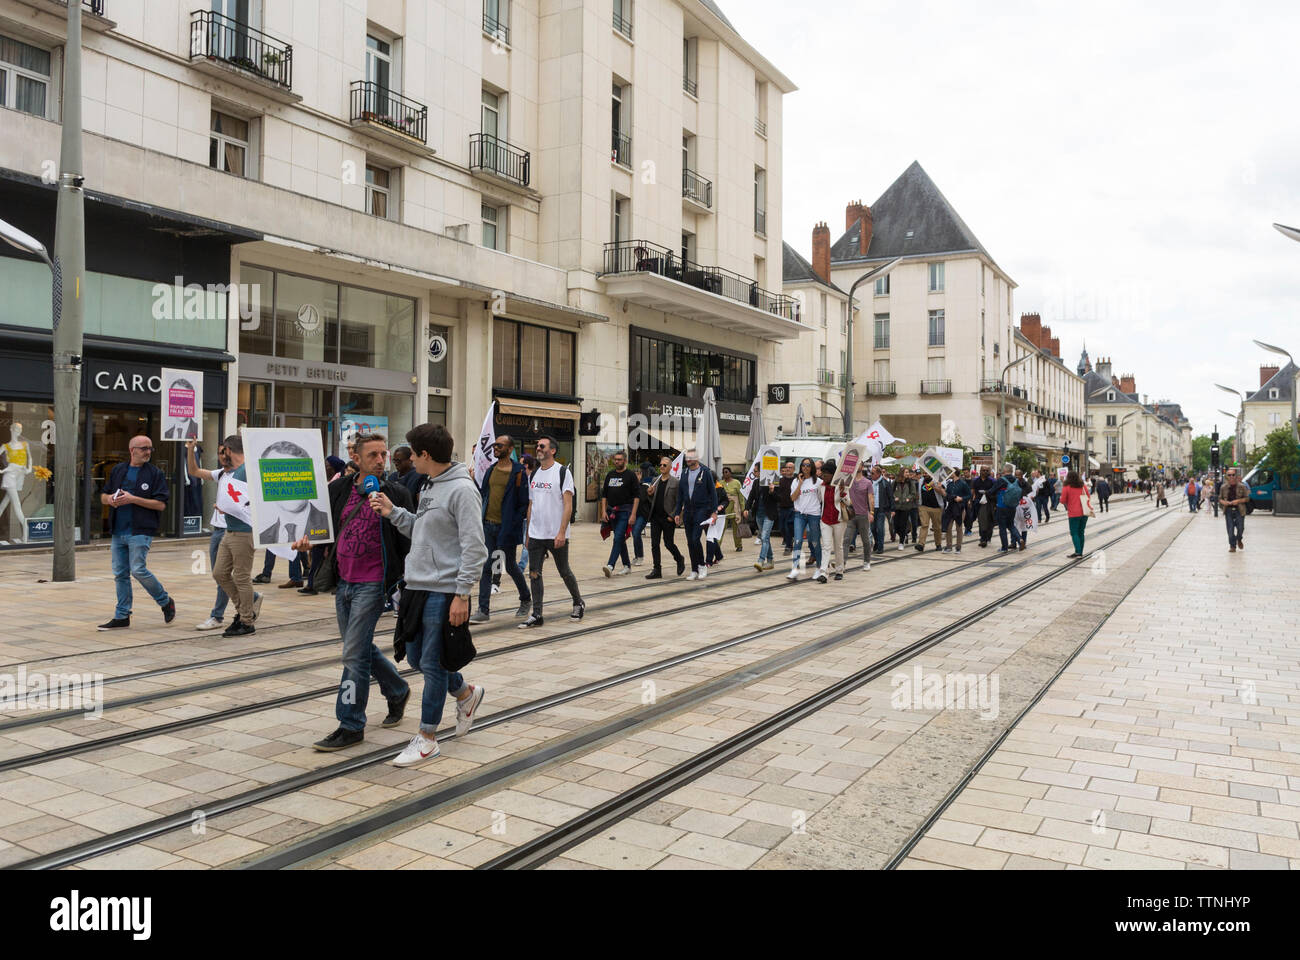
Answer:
(18, 467)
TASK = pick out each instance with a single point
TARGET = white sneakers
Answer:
(867, 565)
(467, 709)
(637, 561)
(901, 546)
(210, 624)
(704, 572)
(794, 573)
(622, 571)
(417, 751)
(607, 570)
(693, 575)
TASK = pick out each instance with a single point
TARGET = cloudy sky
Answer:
(1123, 162)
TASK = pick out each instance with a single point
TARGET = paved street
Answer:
(1163, 743)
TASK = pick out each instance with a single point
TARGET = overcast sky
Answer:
(1122, 161)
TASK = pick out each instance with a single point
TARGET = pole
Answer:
(69, 320)
(1002, 410)
(848, 359)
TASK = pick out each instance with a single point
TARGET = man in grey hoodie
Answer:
(445, 561)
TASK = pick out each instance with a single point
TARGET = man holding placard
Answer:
(233, 569)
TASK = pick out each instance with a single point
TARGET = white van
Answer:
(815, 448)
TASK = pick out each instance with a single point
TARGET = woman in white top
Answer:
(807, 495)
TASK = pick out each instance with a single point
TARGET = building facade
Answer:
(1048, 417)
(368, 215)
(1127, 431)
(1268, 408)
(810, 372)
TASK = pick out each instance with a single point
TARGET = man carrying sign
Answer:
(233, 569)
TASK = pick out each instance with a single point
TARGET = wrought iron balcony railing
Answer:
(881, 388)
(932, 387)
(495, 28)
(825, 376)
(623, 24)
(214, 36)
(992, 386)
(691, 86)
(641, 256)
(373, 103)
(494, 155)
(621, 151)
(760, 127)
(696, 188)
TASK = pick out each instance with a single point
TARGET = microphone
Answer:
(370, 484)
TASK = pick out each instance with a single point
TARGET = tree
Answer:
(1144, 472)
(1283, 455)
(1022, 459)
(1201, 452)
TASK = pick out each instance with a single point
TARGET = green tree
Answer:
(1283, 455)
(1144, 472)
(1201, 452)
(1022, 459)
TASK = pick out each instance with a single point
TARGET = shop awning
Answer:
(539, 408)
(1094, 464)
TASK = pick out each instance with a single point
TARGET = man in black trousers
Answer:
(697, 498)
(661, 495)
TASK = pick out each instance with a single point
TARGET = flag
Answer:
(484, 458)
(877, 433)
(232, 499)
(678, 464)
(748, 484)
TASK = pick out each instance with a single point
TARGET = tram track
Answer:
(125, 838)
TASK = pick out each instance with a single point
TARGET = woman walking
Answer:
(834, 512)
(807, 495)
(1078, 507)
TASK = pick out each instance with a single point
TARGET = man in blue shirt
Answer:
(136, 495)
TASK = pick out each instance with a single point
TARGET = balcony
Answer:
(92, 17)
(659, 278)
(234, 51)
(495, 29)
(488, 154)
(621, 150)
(389, 115)
(760, 127)
(623, 24)
(935, 387)
(696, 189)
(691, 86)
(882, 388)
(760, 222)
(992, 386)
(825, 377)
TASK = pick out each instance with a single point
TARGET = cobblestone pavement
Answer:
(846, 786)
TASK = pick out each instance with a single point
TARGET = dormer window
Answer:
(1272, 393)
(1110, 396)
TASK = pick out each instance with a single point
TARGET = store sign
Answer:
(109, 381)
(39, 530)
(304, 372)
(437, 348)
(663, 412)
(193, 525)
(778, 393)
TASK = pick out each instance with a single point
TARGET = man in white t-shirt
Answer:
(550, 505)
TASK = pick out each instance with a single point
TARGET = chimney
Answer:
(1031, 325)
(821, 259)
(853, 212)
(1128, 383)
(1103, 368)
(1055, 347)
(1045, 337)
(1267, 373)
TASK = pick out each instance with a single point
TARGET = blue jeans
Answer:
(810, 523)
(1006, 517)
(619, 517)
(878, 529)
(129, 554)
(425, 652)
(637, 546)
(1236, 521)
(219, 607)
(358, 606)
(491, 533)
(765, 532)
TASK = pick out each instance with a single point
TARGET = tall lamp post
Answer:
(1237, 451)
(1237, 433)
(848, 354)
(1295, 431)
(1121, 439)
(1002, 410)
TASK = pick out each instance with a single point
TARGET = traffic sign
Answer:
(1065, 460)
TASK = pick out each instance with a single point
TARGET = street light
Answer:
(1237, 433)
(1002, 410)
(1292, 232)
(1295, 432)
(848, 355)
(1121, 439)
(1241, 398)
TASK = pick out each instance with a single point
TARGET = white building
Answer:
(1268, 408)
(811, 369)
(1126, 431)
(573, 208)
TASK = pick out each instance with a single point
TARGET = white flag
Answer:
(232, 499)
(676, 469)
(750, 477)
(484, 457)
(877, 433)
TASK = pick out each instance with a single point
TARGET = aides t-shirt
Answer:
(548, 501)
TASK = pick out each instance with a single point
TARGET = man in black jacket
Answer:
(883, 491)
(504, 492)
(369, 557)
(661, 496)
(763, 509)
(697, 502)
(785, 506)
(980, 494)
(136, 495)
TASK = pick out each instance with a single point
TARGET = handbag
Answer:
(457, 647)
(327, 575)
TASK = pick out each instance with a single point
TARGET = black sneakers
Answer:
(655, 574)
(533, 621)
(340, 739)
(681, 566)
(396, 710)
(239, 628)
(579, 609)
(117, 623)
(169, 611)
(262, 578)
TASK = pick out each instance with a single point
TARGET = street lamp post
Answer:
(1295, 431)
(1237, 451)
(1121, 439)
(1002, 410)
(848, 353)
(1238, 431)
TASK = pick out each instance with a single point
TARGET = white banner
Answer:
(951, 456)
(286, 486)
(750, 475)
(676, 469)
(879, 434)
(182, 404)
(484, 457)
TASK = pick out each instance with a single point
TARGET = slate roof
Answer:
(1283, 381)
(795, 269)
(713, 7)
(911, 204)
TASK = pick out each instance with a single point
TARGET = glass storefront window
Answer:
(663, 366)
(377, 330)
(306, 319)
(26, 472)
(395, 408)
(257, 289)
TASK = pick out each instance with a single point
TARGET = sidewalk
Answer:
(1171, 742)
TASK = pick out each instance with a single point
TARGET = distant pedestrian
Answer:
(1160, 495)
(785, 521)
(763, 511)
(642, 518)
(932, 505)
(1078, 507)
(233, 568)
(136, 495)
(550, 508)
(1006, 495)
(834, 507)
(984, 504)
(619, 498)
(404, 471)
(809, 502)
(713, 545)
(862, 500)
(906, 498)
(1234, 495)
(662, 495)
(957, 492)
(1213, 495)
(1193, 496)
(218, 522)
(1103, 495)
(882, 494)
(734, 507)
(504, 504)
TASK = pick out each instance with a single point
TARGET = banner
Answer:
(751, 475)
(678, 465)
(484, 458)
(951, 456)
(286, 486)
(932, 465)
(854, 454)
(353, 424)
(182, 403)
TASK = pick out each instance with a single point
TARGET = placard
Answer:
(182, 403)
(1062, 473)
(354, 424)
(769, 464)
(951, 456)
(847, 465)
(286, 486)
(934, 467)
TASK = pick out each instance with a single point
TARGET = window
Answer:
(379, 65)
(760, 107)
(24, 77)
(844, 318)
(690, 66)
(882, 286)
(621, 121)
(621, 228)
(1090, 420)
(882, 331)
(532, 359)
(936, 278)
(228, 144)
(376, 330)
(983, 276)
(1110, 396)
(880, 371)
(1274, 419)
(1112, 448)
(494, 227)
(496, 19)
(379, 185)
(844, 363)
(934, 368)
(1110, 419)
(623, 17)
(672, 367)
(760, 201)
(822, 354)
(1273, 393)
(823, 312)
(936, 329)
(688, 246)
(760, 271)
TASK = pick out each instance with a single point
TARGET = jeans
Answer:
(214, 543)
(537, 551)
(638, 548)
(1104, 503)
(491, 534)
(1043, 506)
(619, 517)
(358, 606)
(1193, 504)
(1236, 521)
(129, 554)
(878, 529)
(1006, 517)
(663, 528)
(425, 652)
(810, 523)
(694, 534)
(1076, 532)
(785, 523)
(765, 534)
(861, 525)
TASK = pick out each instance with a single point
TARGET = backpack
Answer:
(1010, 497)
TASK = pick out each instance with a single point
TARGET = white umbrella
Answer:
(708, 440)
(800, 425)
(757, 431)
